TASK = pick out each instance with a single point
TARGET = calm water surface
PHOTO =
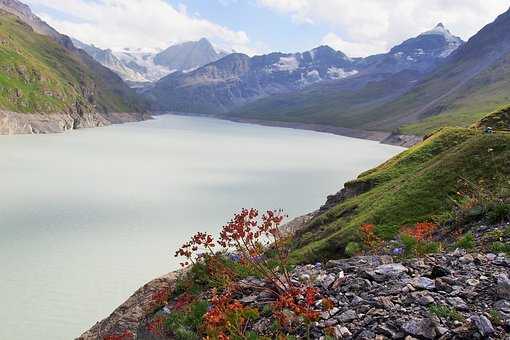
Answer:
(89, 216)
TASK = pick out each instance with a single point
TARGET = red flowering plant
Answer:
(259, 246)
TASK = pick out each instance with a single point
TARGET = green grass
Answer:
(446, 312)
(39, 75)
(466, 242)
(415, 186)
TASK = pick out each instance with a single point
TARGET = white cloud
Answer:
(136, 23)
(353, 49)
(363, 27)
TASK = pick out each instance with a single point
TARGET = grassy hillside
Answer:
(498, 120)
(347, 103)
(39, 75)
(419, 185)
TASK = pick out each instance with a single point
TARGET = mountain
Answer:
(422, 53)
(471, 80)
(292, 87)
(237, 79)
(109, 60)
(475, 80)
(188, 56)
(46, 84)
(138, 66)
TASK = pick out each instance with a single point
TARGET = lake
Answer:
(89, 216)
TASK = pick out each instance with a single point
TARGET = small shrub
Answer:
(466, 242)
(500, 247)
(427, 247)
(370, 239)
(495, 317)
(260, 249)
(185, 323)
(352, 249)
(414, 247)
(498, 212)
(446, 312)
(422, 231)
(387, 232)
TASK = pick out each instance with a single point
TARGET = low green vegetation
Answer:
(39, 75)
(466, 242)
(446, 312)
(425, 183)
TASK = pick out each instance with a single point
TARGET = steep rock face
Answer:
(130, 314)
(238, 79)
(109, 60)
(188, 56)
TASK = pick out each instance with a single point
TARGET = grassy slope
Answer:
(39, 75)
(375, 106)
(414, 186)
(343, 104)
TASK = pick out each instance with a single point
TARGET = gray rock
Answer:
(503, 305)
(423, 299)
(423, 283)
(468, 258)
(341, 332)
(457, 303)
(347, 316)
(391, 269)
(503, 286)
(330, 322)
(483, 324)
(423, 328)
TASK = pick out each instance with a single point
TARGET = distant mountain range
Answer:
(432, 80)
(138, 65)
(231, 83)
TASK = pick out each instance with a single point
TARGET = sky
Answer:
(356, 27)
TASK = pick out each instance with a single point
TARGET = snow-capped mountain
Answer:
(189, 55)
(421, 53)
(137, 65)
(237, 80)
(108, 59)
(142, 62)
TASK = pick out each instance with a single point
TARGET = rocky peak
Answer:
(24, 12)
(440, 30)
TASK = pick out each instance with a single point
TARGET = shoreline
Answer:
(15, 123)
(382, 137)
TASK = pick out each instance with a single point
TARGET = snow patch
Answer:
(288, 64)
(340, 73)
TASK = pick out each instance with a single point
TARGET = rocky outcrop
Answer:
(350, 190)
(12, 123)
(453, 295)
(402, 140)
(131, 313)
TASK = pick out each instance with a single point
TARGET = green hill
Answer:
(40, 75)
(419, 185)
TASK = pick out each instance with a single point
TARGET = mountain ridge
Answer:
(280, 74)
(50, 86)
